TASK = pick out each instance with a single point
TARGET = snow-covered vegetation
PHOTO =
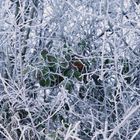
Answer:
(69, 69)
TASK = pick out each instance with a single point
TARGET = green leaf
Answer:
(47, 82)
(82, 44)
(42, 82)
(68, 57)
(51, 58)
(44, 54)
(69, 86)
(77, 75)
(52, 77)
(53, 68)
(59, 78)
(45, 70)
(64, 64)
(52, 64)
(68, 73)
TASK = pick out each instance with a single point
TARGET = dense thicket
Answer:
(69, 69)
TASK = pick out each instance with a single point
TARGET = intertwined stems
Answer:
(104, 37)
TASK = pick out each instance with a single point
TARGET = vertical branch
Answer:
(32, 14)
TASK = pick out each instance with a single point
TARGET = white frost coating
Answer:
(69, 69)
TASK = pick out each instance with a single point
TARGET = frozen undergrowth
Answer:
(69, 69)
